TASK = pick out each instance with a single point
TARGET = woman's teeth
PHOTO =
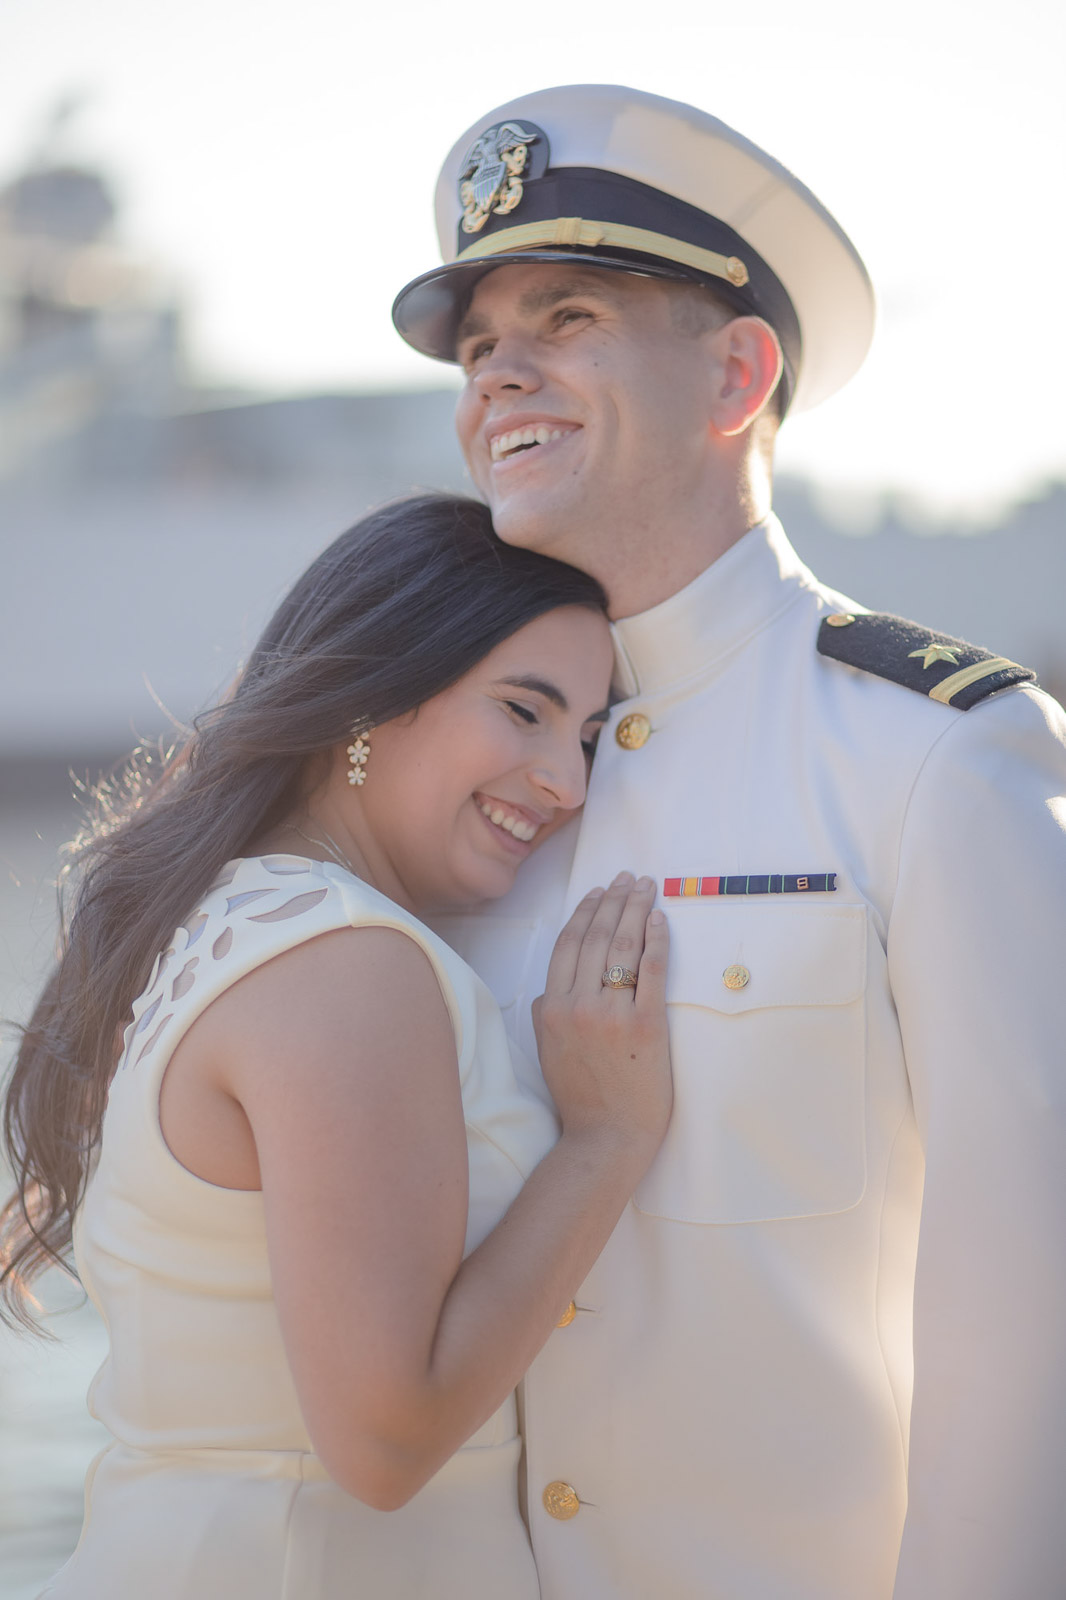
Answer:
(509, 822)
(522, 438)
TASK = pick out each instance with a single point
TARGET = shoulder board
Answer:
(946, 669)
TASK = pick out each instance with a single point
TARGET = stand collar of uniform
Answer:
(734, 598)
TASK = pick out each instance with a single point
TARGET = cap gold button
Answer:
(561, 1501)
(736, 977)
(568, 1316)
(633, 731)
(840, 619)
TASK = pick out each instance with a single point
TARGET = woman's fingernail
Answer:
(622, 879)
(657, 917)
(594, 894)
(645, 883)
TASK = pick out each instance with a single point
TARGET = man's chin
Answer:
(515, 524)
(535, 526)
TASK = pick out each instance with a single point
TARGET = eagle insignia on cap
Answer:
(491, 175)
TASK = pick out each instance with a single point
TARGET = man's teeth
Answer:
(522, 438)
(511, 824)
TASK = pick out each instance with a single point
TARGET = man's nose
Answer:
(509, 367)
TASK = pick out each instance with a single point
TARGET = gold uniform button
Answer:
(840, 619)
(561, 1501)
(633, 731)
(568, 1316)
(736, 977)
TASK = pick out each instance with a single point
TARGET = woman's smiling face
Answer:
(459, 792)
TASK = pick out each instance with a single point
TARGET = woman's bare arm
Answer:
(341, 1055)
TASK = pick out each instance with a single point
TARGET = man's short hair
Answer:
(697, 308)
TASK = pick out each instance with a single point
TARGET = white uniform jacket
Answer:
(866, 1157)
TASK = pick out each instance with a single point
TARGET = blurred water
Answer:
(47, 1437)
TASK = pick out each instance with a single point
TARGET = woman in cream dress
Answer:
(324, 1224)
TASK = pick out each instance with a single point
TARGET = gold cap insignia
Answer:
(491, 175)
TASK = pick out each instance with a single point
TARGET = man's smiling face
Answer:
(584, 418)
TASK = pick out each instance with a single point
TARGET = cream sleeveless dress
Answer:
(211, 1489)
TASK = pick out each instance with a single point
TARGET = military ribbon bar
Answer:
(753, 883)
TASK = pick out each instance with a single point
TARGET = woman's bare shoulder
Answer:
(304, 1045)
(355, 981)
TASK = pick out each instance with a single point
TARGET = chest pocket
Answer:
(769, 1078)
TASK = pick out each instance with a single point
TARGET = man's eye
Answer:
(521, 711)
(477, 352)
(571, 314)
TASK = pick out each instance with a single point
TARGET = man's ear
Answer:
(749, 364)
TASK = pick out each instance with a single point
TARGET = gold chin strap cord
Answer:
(571, 231)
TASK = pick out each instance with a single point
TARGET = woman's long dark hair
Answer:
(393, 612)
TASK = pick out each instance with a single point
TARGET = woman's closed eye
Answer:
(524, 713)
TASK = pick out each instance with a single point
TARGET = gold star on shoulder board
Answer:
(935, 652)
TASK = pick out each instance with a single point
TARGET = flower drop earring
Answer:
(358, 756)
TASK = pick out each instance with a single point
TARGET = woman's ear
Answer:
(749, 365)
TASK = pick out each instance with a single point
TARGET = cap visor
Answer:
(428, 311)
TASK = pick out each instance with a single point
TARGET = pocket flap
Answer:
(781, 955)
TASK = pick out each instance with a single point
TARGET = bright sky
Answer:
(277, 158)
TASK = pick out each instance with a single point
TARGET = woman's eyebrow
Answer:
(550, 692)
(538, 686)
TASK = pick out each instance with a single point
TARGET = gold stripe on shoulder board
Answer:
(951, 686)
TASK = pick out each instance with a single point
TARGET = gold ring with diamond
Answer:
(619, 978)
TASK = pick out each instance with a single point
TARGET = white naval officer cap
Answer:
(637, 183)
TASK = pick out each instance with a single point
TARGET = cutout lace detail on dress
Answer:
(143, 1021)
(292, 908)
(237, 900)
(185, 978)
(154, 1039)
(216, 925)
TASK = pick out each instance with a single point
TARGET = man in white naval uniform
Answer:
(823, 1356)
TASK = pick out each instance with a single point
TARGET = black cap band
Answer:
(607, 197)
